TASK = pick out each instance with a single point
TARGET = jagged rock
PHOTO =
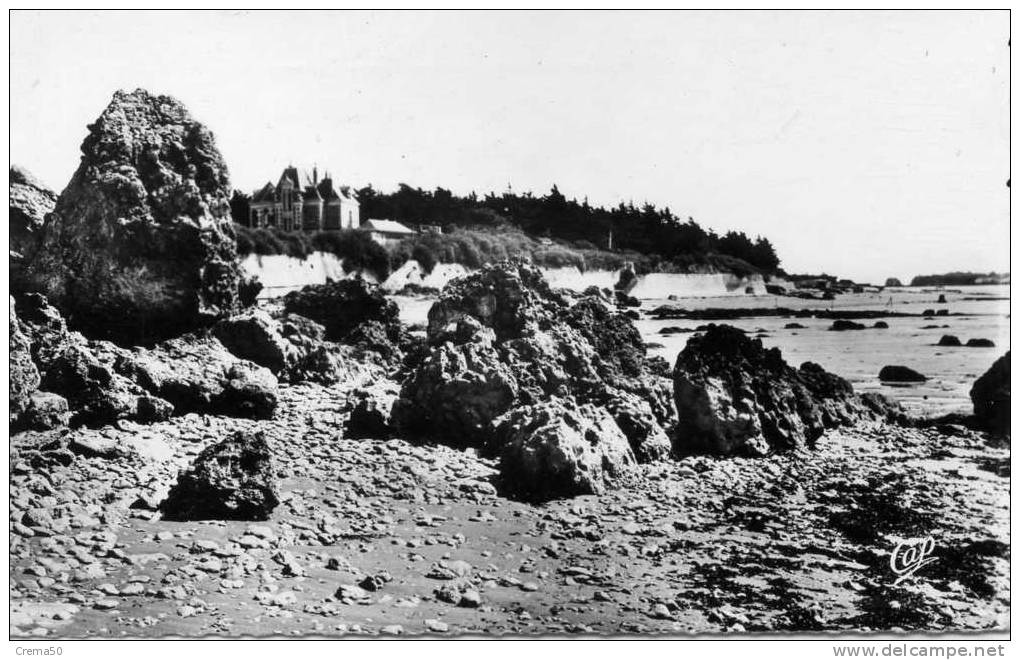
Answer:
(371, 410)
(617, 342)
(734, 396)
(382, 338)
(558, 448)
(301, 330)
(198, 374)
(900, 374)
(328, 363)
(140, 244)
(342, 306)
(990, 396)
(234, 479)
(455, 394)
(627, 278)
(24, 377)
(30, 203)
(513, 299)
(980, 343)
(949, 340)
(45, 411)
(256, 336)
(646, 437)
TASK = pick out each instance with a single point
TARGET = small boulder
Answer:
(900, 374)
(45, 411)
(794, 326)
(949, 340)
(942, 299)
(560, 449)
(881, 325)
(234, 479)
(942, 312)
(980, 343)
(990, 396)
(371, 410)
(646, 437)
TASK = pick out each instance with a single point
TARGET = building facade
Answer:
(302, 202)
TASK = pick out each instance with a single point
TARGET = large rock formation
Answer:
(342, 306)
(502, 338)
(734, 396)
(140, 245)
(31, 202)
(234, 479)
(24, 377)
(558, 448)
(990, 395)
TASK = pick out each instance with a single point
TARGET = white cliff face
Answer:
(281, 274)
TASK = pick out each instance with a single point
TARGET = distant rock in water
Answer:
(990, 396)
(942, 299)
(900, 374)
(234, 479)
(880, 325)
(949, 340)
(140, 245)
(980, 343)
(841, 324)
(733, 396)
(892, 281)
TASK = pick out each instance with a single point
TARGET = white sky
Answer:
(868, 145)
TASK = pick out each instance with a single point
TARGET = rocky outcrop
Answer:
(514, 300)
(980, 343)
(234, 479)
(24, 377)
(899, 374)
(990, 396)
(560, 449)
(139, 246)
(198, 374)
(256, 336)
(502, 338)
(949, 340)
(342, 306)
(81, 372)
(30, 203)
(646, 437)
(455, 394)
(735, 397)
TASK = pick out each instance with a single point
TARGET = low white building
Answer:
(386, 232)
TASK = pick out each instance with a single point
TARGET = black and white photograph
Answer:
(509, 324)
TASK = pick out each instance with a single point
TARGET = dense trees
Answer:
(647, 229)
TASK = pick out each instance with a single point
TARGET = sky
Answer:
(863, 144)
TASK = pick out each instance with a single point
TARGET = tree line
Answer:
(645, 229)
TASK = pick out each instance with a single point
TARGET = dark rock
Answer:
(734, 396)
(900, 374)
(341, 306)
(140, 245)
(627, 279)
(30, 203)
(646, 437)
(198, 374)
(980, 343)
(942, 312)
(234, 479)
(840, 325)
(793, 326)
(558, 448)
(513, 299)
(371, 410)
(674, 330)
(942, 298)
(256, 336)
(45, 411)
(881, 325)
(616, 340)
(623, 300)
(24, 377)
(949, 340)
(455, 394)
(990, 396)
